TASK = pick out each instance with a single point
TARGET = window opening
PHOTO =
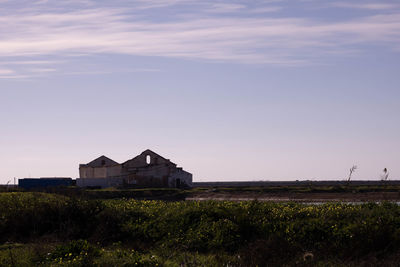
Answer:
(148, 159)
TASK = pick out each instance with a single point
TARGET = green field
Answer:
(43, 229)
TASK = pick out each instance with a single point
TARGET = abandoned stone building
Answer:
(145, 170)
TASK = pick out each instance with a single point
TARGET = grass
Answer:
(174, 194)
(42, 229)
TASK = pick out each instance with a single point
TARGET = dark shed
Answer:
(28, 183)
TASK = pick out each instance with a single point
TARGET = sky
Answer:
(229, 90)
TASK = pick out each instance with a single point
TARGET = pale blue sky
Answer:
(229, 90)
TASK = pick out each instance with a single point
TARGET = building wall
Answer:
(155, 171)
(147, 169)
(99, 172)
(146, 181)
(114, 171)
(160, 177)
(181, 178)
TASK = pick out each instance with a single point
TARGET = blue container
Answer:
(29, 183)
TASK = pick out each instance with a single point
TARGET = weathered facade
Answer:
(102, 167)
(145, 170)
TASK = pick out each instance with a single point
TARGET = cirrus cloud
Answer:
(248, 38)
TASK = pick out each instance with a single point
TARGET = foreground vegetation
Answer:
(41, 229)
(179, 194)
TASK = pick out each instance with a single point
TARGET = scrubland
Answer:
(43, 229)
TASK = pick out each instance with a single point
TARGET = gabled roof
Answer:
(152, 153)
(148, 151)
(102, 161)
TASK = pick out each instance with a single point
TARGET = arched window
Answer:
(148, 159)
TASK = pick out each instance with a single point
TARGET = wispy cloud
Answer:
(266, 9)
(6, 71)
(42, 70)
(225, 7)
(245, 38)
(31, 73)
(96, 72)
(370, 6)
(159, 3)
(15, 77)
(29, 62)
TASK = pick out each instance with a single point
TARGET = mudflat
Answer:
(298, 196)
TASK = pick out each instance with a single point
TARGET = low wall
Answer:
(99, 182)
